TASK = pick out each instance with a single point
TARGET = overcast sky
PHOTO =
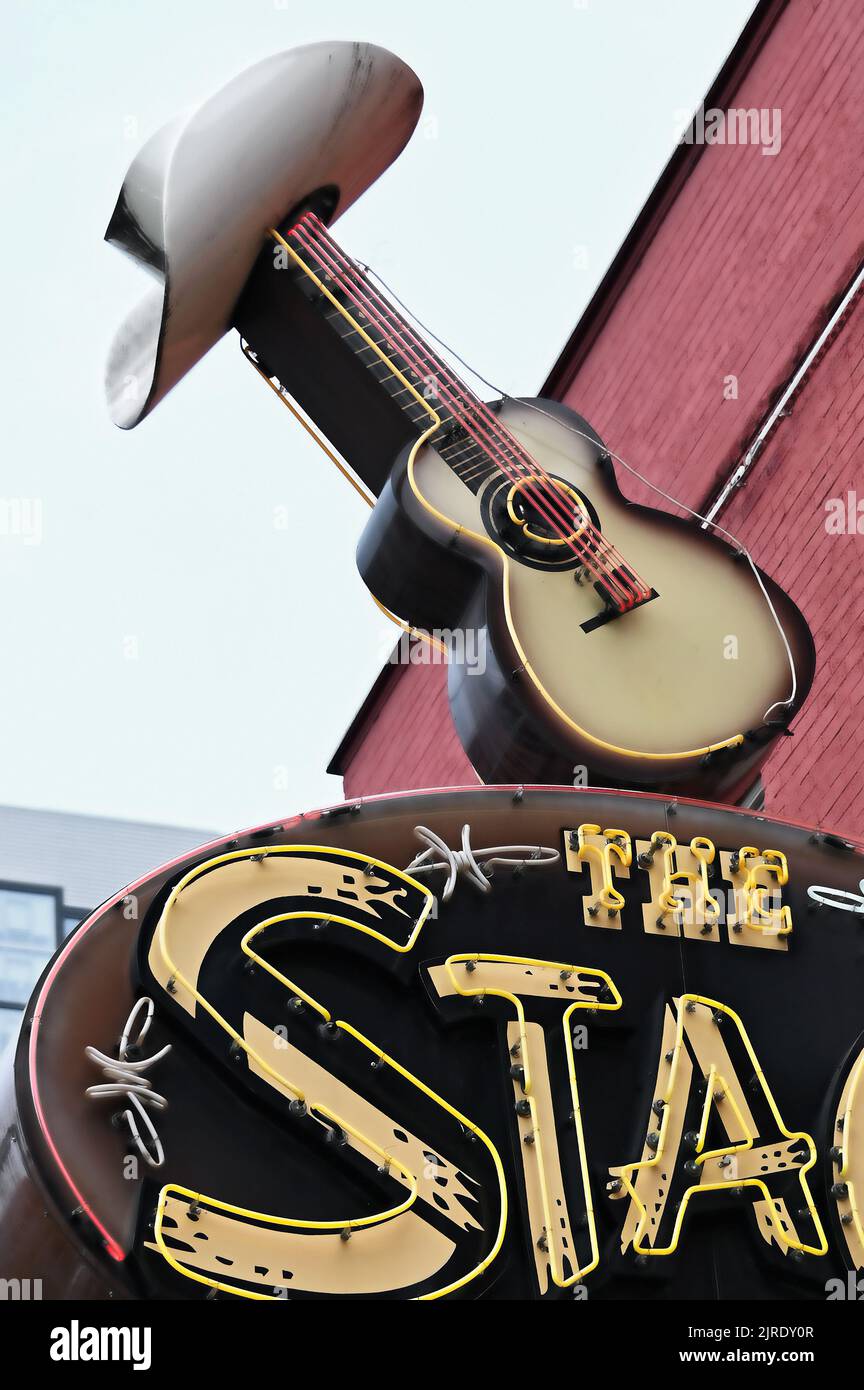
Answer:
(168, 655)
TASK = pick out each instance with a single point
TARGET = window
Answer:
(29, 920)
(10, 1022)
(33, 922)
(71, 917)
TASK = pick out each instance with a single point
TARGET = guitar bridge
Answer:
(609, 614)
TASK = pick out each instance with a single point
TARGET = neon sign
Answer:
(554, 1079)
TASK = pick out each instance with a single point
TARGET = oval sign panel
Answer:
(489, 1043)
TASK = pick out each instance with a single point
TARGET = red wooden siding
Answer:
(407, 738)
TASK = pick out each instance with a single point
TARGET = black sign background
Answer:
(224, 1136)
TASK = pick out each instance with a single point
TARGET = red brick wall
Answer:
(407, 739)
(738, 277)
(815, 455)
(737, 281)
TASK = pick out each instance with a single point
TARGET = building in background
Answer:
(723, 357)
(54, 869)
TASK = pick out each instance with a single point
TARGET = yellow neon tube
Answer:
(401, 948)
(732, 742)
(580, 1273)
(843, 1170)
(630, 1168)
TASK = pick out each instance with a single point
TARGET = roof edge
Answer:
(680, 166)
(342, 756)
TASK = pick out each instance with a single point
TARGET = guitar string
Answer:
(675, 501)
(395, 330)
(282, 394)
(600, 542)
(412, 359)
(585, 555)
(327, 267)
(640, 589)
(506, 438)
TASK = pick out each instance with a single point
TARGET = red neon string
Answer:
(394, 338)
(479, 416)
(639, 589)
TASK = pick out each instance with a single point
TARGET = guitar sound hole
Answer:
(538, 520)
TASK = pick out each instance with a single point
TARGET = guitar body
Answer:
(603, 642)
(672, 694)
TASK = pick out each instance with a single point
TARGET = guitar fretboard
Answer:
(394, 353)
(463, 429)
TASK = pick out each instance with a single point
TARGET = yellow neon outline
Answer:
(418, 632)
(282, 394)
(337, 1225)
(666, 901)
(732, 742)
(703, 851)
(775, 863)
(434, 416)
(628, 1169)
(523, 525)
(843, 1170)
(717, 1084)
(514, 999)
(706, 1109)
(608, 897)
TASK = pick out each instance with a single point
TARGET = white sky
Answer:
(545, 127)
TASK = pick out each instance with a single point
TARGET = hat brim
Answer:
(197, 200)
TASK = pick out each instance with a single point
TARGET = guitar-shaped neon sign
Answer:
(619, 639)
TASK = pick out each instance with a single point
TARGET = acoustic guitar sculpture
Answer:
(617, 644)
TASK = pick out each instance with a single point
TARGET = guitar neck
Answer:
(392, 350)
(467, 434)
